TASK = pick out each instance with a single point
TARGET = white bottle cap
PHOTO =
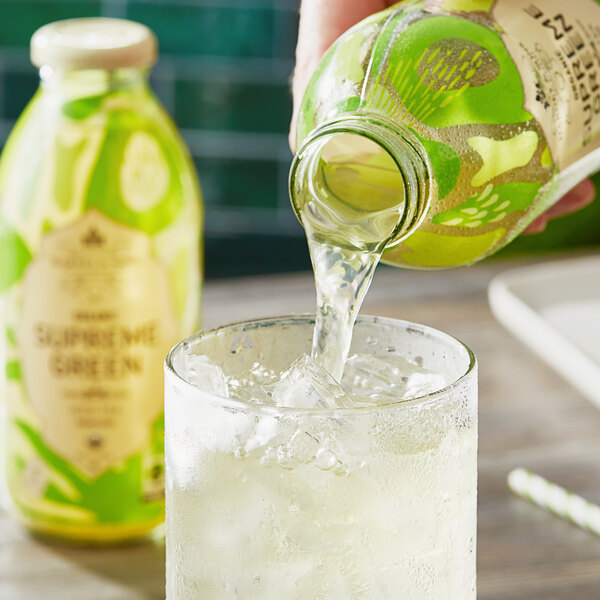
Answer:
(94, 43)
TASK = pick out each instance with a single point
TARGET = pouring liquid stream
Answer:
(354, 204)
(343, 277)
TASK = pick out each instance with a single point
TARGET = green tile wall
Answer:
(19, 18)
(224, 76)
(17, 90)
(239, 183)
(232, 106)
(214, 29)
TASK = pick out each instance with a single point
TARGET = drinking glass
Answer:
(370, 502)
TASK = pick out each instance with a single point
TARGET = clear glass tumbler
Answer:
(375, 502)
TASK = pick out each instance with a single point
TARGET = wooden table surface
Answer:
(528, 417)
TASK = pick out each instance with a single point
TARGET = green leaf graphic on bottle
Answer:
(110, 498)
(492, 205)
(446, 71)
(82, 108)
(136, 180)
(426, 249)
(445, 162)
(11, 336)
(13, 371)
(468, 5)
(502, 156)
(14, 256)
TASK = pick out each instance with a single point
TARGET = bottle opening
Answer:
(353, 189)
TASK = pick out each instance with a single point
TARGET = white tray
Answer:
(554, 308)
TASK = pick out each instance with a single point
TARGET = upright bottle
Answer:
(100, 221)
(444, 127)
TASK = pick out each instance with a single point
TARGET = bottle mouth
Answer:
(355, 184)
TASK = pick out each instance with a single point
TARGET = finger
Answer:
(580, 196)
(536, 226)
(321, 23)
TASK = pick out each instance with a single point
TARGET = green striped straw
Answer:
(556, 499)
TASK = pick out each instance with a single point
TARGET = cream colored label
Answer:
(556, 48)
(96, 324)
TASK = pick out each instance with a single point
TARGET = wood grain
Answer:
(528, 417)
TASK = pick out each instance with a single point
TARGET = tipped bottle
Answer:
(100, 221)
(442, 128)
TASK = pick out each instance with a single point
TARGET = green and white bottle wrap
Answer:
(503, 97)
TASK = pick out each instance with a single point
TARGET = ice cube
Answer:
(308, 385)
(375, 379)
(205, 374)
(303, 446)
(423, 383)
(269, 432)
(249, 393)
(248, 387)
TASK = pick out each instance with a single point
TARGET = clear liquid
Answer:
(343, 277)
(379, 505)
(353, 207)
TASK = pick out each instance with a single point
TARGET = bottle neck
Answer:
(82, 83)
(361, 180)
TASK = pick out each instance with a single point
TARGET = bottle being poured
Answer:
(470, 93)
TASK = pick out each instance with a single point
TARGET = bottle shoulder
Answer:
(118, 153)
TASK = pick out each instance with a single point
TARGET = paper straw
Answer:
(556, 499)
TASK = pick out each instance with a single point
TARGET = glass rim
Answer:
(309, 319)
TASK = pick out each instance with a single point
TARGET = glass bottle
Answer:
(100, 224)
(445, 127)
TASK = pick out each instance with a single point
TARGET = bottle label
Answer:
(556, 48)
(96, 324)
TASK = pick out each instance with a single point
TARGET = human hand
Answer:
(581, 195)
(323, 21)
